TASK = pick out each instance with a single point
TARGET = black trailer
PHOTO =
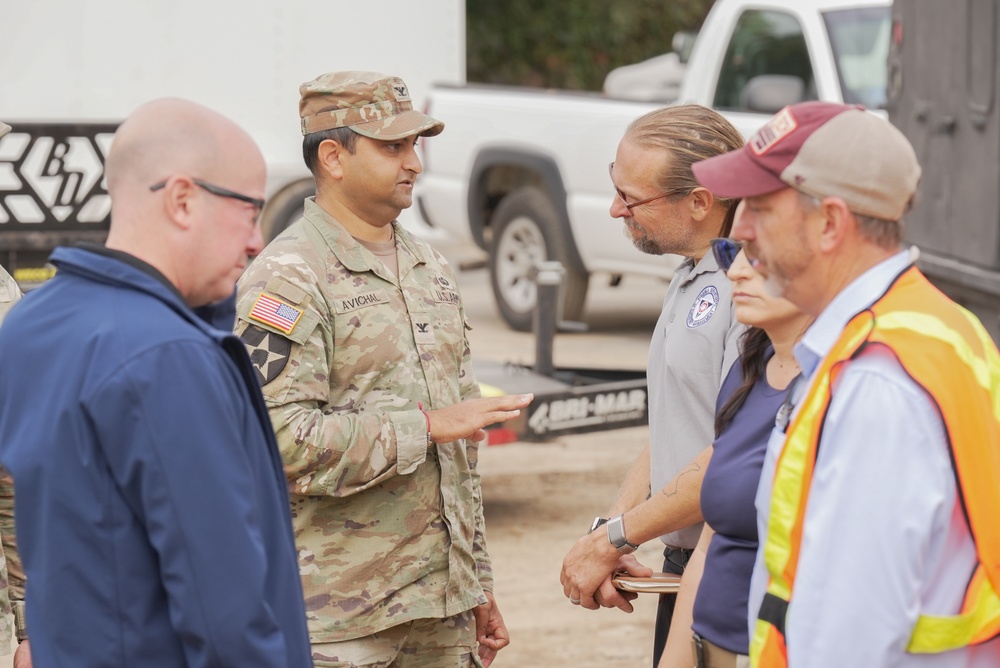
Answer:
(52, 192)
(567, 400)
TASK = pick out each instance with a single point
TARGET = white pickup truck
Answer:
(523, 173)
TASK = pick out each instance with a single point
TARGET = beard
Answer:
(780, 275)
(640, 238)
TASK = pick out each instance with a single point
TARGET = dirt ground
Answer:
(539, 499)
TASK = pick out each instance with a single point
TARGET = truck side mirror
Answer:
(682, 44)
(770, 93)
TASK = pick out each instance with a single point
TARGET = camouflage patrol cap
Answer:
(372, 104)
(4, 128)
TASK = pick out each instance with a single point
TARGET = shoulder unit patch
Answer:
(268, 352)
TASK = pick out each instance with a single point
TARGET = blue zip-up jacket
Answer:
(152, 511)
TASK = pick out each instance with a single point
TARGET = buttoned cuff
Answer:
(20, 622)
(411, 440)
(484, 573)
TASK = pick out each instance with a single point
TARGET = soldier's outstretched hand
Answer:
(467, 419)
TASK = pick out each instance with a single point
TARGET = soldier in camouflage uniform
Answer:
(11, 573)
(358, 335)
(9, 292)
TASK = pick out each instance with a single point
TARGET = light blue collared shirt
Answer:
(885, 538)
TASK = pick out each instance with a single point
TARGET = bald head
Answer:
(172, 171)
(171, 136)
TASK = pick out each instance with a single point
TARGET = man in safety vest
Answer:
(877, 507)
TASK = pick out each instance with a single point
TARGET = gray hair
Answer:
(887, 234)
(687, 133)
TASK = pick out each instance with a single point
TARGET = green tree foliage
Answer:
(569, 43)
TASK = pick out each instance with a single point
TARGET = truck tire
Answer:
(285, 208)
(526, 230)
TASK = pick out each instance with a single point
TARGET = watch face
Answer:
(598, 521)
(616, 536)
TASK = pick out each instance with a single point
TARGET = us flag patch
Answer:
(276, 313)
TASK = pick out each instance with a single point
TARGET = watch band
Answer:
(616, 536)
(598, 521)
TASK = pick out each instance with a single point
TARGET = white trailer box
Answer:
(71, 70)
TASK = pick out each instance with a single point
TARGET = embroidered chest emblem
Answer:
(704, 307)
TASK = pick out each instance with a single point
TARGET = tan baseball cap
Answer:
(4, 128)
(822, 149)
(372, 104)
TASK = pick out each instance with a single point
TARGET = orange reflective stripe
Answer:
(771, 652)
(789, 496)
(948, 353)
(794, 469)
(964, 399)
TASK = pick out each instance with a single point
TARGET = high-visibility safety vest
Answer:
(946, 350)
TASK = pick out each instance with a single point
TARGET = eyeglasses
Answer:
(219, 191)
(621, 195)
(725, 252)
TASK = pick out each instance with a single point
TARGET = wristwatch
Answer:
(616, 536)
(598, 521)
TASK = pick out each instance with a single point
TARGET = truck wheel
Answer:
(527, 230)
(285, 208)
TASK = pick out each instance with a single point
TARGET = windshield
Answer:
(860, 42)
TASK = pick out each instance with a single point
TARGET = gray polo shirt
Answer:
(693, 346)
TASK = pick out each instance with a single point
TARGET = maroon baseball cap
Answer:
(822, 149)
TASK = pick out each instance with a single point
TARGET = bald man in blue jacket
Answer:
(153, 517)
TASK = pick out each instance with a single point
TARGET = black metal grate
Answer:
(52, 177)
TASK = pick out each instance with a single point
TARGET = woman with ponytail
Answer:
(751, 397)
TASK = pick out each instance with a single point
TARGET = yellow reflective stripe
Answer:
(929, 326)
(757, 642)
(933, 634)
(788, 488)
(786, 495)
(992, 356)
(789, 483)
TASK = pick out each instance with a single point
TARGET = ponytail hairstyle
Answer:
(754, 347)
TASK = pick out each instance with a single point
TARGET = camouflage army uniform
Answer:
(389, 528)
(9, 293)
(11, 572)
